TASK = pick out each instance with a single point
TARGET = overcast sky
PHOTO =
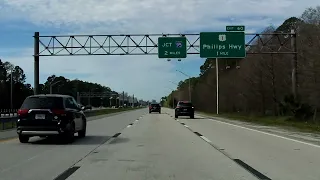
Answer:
(145, 76)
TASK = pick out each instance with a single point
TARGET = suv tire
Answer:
(82, 133)
(68, 136)
(192, 116)
(23, 139)
(176, 116)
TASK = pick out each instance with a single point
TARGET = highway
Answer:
(139, 145)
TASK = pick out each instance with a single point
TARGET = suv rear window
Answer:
(43, 103)
(187, 104)
(155, 105)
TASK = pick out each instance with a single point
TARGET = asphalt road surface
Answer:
(137, 145)
(45, 159)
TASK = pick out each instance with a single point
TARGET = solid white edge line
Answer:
(206, 139)
(129, 126)
(282, 137)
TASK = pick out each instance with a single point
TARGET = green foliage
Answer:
(299, 110)
(61, 85)
(287, 25)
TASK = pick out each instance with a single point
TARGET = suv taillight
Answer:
(22, 112)
(58, 111)
(178, 107)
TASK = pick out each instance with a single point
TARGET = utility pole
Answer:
(294, 77)
(11, 90)
(36, 62)
(133, 100)
(78, 98)
(123, 99)
(217, 85)
(189, 83)
(52, 84)
(189, 89)
(89, 98)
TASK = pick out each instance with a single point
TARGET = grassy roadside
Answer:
(7, 125)
(10, 125)
(286, 122)
(108, 111)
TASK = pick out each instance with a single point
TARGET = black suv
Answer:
(154, 108)
(184, 108)
(49, 115)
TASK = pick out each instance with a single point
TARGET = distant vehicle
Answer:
(155, 107)
(184, 108)
(51, 115)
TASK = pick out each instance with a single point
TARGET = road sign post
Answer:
(235, 28)
(172, 47)
(222, 45)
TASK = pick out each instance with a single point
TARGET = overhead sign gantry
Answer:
(207, 44)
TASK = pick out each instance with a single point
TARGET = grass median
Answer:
(7, 125)
(287, 122)
(107, 111)
(12, 124)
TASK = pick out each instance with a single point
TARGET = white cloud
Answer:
(146, 76)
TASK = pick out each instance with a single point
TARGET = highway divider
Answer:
(9, 122)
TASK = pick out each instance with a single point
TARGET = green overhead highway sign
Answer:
(222, 45)
(235, 28)
(172, 47)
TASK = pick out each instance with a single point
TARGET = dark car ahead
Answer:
(184, 108)
(154, 108)
(50, 115)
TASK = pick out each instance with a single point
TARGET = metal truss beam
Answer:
(138, 44)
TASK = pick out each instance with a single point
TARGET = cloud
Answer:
(146, 76)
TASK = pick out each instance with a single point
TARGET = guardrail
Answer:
(8, 118)
(8, 112)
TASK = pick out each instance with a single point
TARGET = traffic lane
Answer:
(279, 158)
(157, 147)
(46, 159)
(11, 133)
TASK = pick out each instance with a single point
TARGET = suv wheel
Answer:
(82, 133)
(68, 136)
(23, 139)
(192, 116)
(176, 116)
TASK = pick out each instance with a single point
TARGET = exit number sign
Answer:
(172, 47)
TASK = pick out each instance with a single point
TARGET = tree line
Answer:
(261, 84)
(61, 85)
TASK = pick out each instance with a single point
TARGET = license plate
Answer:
(40, 116)
(185, 109)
